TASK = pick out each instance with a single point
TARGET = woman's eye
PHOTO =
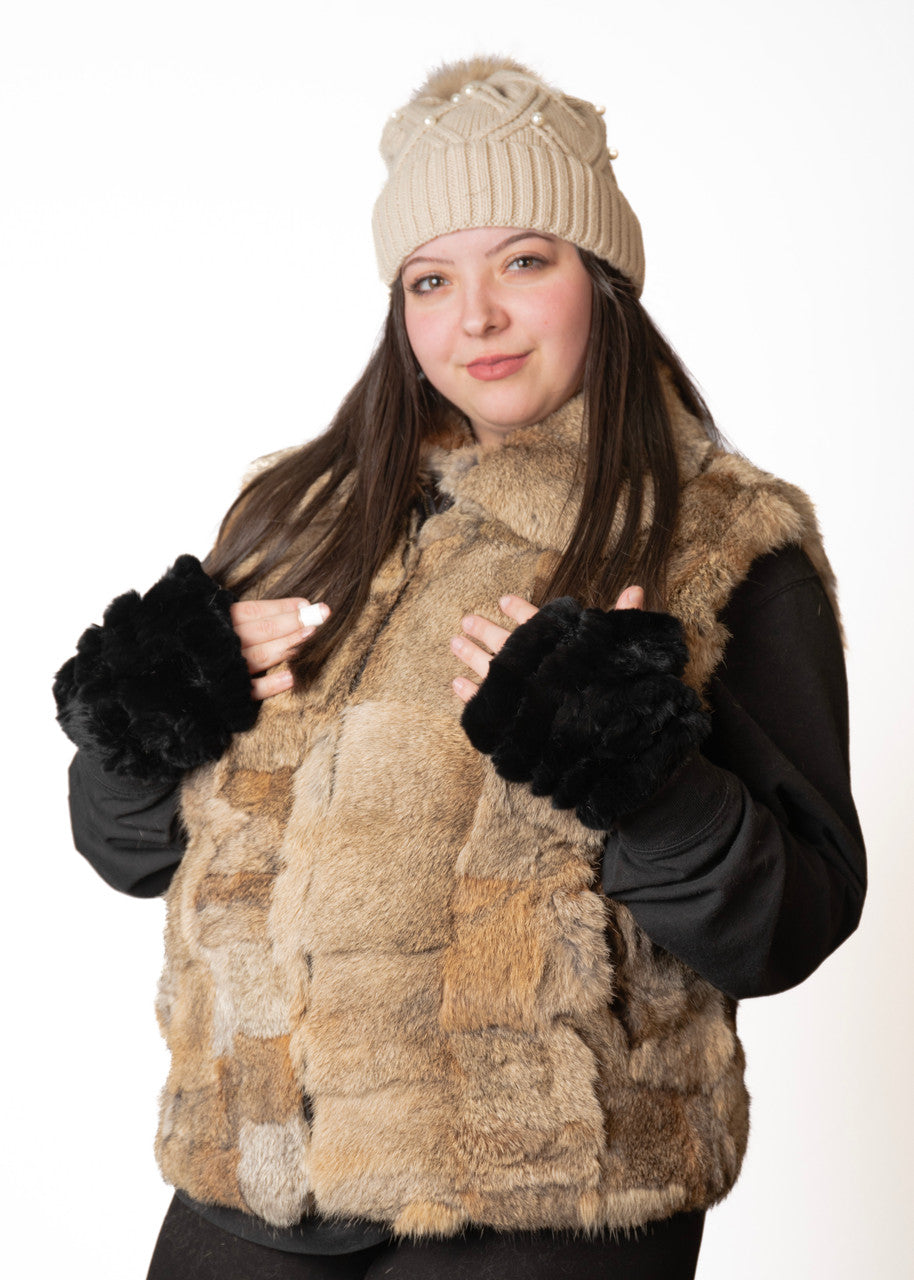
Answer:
(426, 284)
(526, 261)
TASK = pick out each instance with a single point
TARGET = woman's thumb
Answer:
(631, 598)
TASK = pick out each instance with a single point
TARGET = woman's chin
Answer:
(510, 413)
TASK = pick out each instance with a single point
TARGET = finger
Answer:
(471, 654)
(279, 626)
(283, 624)
(517, 608)
(254, 610)
(631, 598)
(484, 631)
(268, 686)
(260, 657)
(464, 688)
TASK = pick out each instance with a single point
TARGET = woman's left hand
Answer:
(493, 636)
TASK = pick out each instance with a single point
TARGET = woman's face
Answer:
(498, 319)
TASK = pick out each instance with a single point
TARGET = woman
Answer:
(471, 869)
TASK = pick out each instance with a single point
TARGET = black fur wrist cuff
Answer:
(161, 686)
(589, 708)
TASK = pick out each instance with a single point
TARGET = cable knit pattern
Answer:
(487, 143)
(588, 707)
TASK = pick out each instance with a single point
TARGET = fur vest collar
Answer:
(393, 987)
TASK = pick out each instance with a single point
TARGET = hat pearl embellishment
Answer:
(455, 97)
(613, 153)
(429, 119)
(469, 89)
(601, 111)
(537, 118)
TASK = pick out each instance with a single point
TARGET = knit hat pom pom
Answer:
(451, 77)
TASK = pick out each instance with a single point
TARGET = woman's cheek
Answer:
(431, 339)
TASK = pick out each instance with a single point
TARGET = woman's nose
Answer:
(482, 311)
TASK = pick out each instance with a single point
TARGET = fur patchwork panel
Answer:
(393, 987)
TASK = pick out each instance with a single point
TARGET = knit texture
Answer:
(488, 143)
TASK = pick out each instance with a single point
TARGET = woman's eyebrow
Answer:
(519, 235)
(440, 262)
(503, 244)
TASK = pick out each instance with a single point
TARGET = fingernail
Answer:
(466, 622)
(505, 600)
(308, 631)
(284, 679)
(312, 614)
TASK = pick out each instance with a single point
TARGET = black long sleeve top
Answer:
(749, 864)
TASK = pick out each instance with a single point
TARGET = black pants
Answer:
(190, 1248)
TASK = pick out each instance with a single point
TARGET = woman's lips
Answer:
(491, 368)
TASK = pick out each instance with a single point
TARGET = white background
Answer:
(187, 281)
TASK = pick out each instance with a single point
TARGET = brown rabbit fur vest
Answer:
(394, 988)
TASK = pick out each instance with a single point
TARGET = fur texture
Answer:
(161, 686)
(451, 77)
(393, 986)
(588, 707)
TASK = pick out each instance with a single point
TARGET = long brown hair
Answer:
(361, 476)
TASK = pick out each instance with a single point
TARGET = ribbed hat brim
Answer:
(505, 184)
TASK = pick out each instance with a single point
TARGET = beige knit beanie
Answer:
(487, 143)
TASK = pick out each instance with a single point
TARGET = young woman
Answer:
(468, 865)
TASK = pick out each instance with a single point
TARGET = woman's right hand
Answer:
(269, 632)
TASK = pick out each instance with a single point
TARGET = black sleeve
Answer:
(130, 832)
(749, 864)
